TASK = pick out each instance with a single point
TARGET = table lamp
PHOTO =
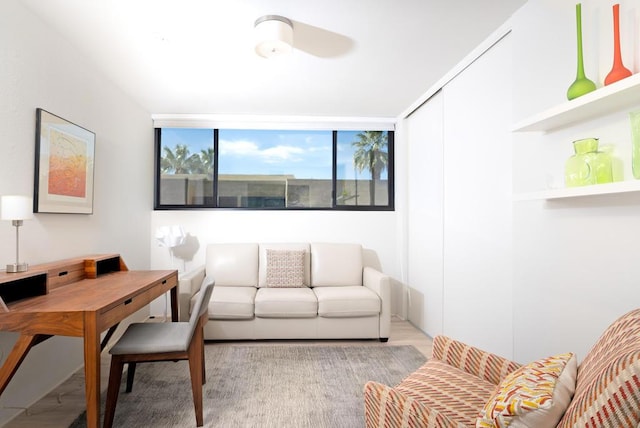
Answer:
(16, 209)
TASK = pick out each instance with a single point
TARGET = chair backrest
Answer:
(202, 303)
(608, 383)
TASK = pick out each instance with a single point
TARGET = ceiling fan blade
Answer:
(319, 42)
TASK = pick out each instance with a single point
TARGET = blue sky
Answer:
(304, 154)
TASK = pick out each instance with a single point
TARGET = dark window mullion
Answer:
(390, 170)
(215, 168)
(334, 171)
(157, 160)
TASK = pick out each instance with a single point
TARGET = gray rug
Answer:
(264, 386)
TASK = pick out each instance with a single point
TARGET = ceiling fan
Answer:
(275, 37)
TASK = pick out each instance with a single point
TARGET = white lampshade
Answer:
(274, 36)
(13, 207)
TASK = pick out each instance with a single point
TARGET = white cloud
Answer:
(248, 148)
(238, 148)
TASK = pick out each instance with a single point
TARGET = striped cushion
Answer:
(386, 407)
(452, 392)
(485, 365)
(608, 384)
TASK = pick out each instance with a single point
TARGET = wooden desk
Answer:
(77, 297)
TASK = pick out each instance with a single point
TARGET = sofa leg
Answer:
(384, 339)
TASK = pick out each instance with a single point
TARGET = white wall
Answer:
(39, 69)
(576, 263)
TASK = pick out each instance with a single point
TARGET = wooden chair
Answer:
(173, 341)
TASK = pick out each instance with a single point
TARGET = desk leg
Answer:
(174, 304)
(16, 357)
(92, 369)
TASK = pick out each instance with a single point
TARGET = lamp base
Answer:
(17, 267)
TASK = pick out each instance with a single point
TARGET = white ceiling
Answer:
(362, 58)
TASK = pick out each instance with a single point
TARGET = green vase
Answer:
(581, 85)
(587, 166)
(635, 143)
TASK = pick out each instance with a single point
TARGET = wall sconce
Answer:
(16, 209)
(274, 36)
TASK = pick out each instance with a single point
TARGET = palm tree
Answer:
(178, 162)
(206, 161)
(371, 154)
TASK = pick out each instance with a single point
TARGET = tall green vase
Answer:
(581, 85)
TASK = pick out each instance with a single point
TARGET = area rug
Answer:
(264, 386)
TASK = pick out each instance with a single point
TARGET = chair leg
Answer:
(199, 333)
(131, 372)
(115, 375)
(195, 369)
(204, 368)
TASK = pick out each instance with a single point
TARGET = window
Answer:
(363, 168)
(273, 169)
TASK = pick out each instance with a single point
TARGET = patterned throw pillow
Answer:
(535, 395)
(285, 268)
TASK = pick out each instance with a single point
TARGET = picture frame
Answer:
(64, 166)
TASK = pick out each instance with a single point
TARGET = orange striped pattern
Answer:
(608, 384)
(386, 407)
(484, 365)
(447, 391)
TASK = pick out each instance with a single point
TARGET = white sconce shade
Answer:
(170, 236)
(274, 36)
(14, 207)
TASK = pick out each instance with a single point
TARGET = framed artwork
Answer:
(64, 166)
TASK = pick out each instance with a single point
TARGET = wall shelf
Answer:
(622, 94)
(573, 192)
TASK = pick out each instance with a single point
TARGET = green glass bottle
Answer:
(582, 84)
(587, 166)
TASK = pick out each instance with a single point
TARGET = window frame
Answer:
(390, 206)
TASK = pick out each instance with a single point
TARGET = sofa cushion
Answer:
(233, 264)
(286, 303)
(456, 394)
(347, 302)
(232, 302)
(285, 268)
(535, 395)
(262, 269)
(336, 264)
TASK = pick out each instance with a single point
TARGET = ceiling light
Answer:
(274, 36)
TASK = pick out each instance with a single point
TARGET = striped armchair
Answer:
(450, 389)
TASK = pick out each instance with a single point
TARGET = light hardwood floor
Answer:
(60, 407)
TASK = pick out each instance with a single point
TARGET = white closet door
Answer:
(478, 269)
(425, 216)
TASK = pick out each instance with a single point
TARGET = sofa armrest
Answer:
(381, 285)
(389, 408)
(188, 285)
(472, 360)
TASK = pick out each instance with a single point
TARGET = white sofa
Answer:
(290, 291)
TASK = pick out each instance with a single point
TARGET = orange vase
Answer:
(618, 71)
